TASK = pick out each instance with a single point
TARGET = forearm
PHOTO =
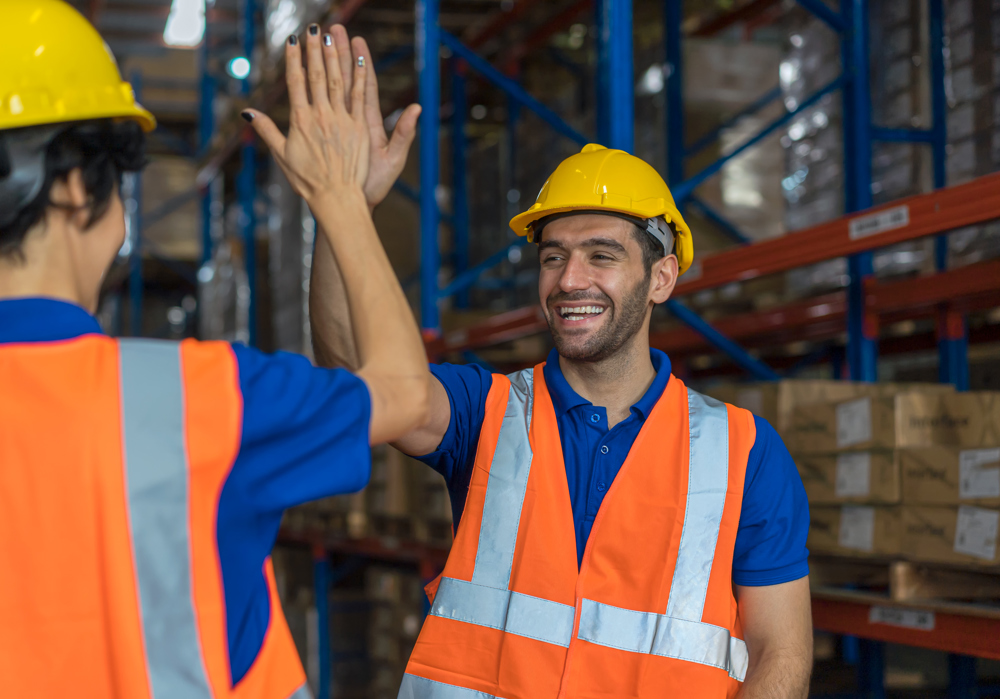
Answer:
(390, 356)
(779, 675)
(329, 312)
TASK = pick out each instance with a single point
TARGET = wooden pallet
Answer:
(905, 581)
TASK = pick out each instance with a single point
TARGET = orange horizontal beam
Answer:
(962, 632)
(940, 211)
(500, 328)
(963, 283)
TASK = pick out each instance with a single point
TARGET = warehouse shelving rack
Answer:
(946, 295)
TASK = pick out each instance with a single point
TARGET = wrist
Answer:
(346, 200)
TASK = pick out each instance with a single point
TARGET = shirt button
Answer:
(604, 449)
(601, 487)
(595, 418)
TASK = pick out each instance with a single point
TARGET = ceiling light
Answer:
(185, 23)
(239, 68)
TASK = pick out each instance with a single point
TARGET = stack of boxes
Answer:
(891, 470)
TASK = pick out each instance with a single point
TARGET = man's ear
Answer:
(69, 194)
(663, 279)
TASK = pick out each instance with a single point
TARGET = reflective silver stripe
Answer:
(157, 490)
(505, 487)
(414, 687)
(646, 632)
(301, 693)
(708, 479)
(513, 612)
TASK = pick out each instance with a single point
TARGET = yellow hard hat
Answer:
(56, 68)
(601, 179)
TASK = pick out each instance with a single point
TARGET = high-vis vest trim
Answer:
(505, 492)
(414, 687)
(512, 612)
(659, 634)
(678, 633)
(157, 486)
(708, 468)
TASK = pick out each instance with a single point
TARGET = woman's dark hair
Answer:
(103, 150)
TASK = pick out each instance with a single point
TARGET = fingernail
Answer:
(293, 40)
(247, 116)
(314, 29)
(327, 40)
(361, 61)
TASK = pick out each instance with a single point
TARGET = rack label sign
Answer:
(864, 226)
(918, 619)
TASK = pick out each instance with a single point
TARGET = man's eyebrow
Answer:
(588, 243)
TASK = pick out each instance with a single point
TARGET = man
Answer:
(142, 483)
(617, 534)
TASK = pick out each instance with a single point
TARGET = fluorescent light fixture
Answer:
(185, 23)
(239, 68)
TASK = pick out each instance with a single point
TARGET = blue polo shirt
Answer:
(305, 437)
(774, 522)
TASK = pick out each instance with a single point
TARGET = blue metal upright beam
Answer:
(321, 585)
(428, 41)
(247, 179)
(674, 95)
(206, 128)
(460, 185)
(953, 334)
(618, 80)
(862, 343)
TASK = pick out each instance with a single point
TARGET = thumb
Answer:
(405, 131)
(267, 130)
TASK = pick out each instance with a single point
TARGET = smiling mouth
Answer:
(576, 313)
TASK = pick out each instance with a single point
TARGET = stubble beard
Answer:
(624, 322)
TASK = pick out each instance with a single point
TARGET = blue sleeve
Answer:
(774, 522)
(305, 437)
(467, 387)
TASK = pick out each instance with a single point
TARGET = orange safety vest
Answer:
(649, 613)
(112, 458)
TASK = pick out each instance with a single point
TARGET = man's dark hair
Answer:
(103, 149)
(652, 251)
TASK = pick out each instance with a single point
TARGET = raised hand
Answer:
(327, 151)
(388, 155)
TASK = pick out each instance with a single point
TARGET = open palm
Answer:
(388, 155)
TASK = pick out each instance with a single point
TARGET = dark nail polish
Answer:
(293, 40)
(314, 29)
(247, 116)
(328, 40)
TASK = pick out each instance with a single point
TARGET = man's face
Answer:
(593, 285)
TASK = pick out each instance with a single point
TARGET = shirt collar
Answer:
(43, 320)
(564, 398)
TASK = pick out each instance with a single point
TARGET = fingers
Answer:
(295, 75)
(406, 129)
(266, 129)
(316, 68)
(344, 56)
(358, 91)
(373, 111)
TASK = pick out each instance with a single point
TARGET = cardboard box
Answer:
(778, 401)
(854, 530)
(950, 476)
(856, 477)
(913, 419)
(962, 534)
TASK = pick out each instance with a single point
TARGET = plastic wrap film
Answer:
(972, 86)
(223, 288)
(291, 231)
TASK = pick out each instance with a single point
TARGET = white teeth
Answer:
(579, 312)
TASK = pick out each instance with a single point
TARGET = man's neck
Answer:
(615, 383)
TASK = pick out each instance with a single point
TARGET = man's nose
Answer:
(575, 276)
